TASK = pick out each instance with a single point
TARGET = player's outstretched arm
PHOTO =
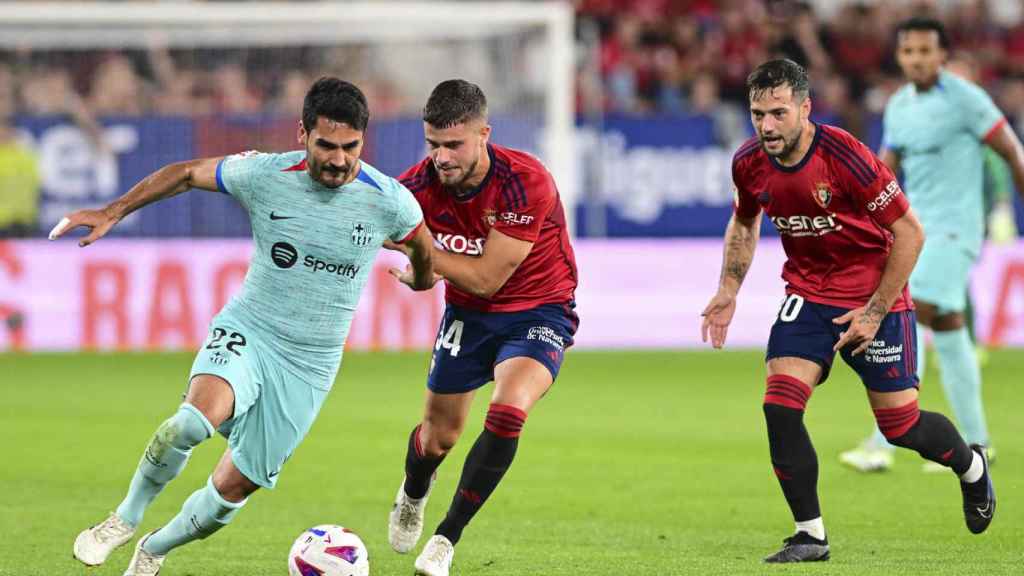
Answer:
(419, 274)
(1005, 142)
(740, 240)
(908, 239)
(168, 181)
(484, 275)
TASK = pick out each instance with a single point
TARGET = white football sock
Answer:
(815, 527)
(977, 468)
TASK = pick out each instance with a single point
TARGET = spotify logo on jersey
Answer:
(284, 254)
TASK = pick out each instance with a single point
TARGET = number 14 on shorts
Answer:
(452, 338)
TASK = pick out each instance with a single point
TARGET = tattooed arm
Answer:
(740, 239)
(908, 238)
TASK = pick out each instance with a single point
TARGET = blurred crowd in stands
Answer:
(691, 56)
(634, 57)
(159, 81)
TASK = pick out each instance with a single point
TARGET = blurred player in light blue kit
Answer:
(936, 128)
(1000, 220)
(319, 216)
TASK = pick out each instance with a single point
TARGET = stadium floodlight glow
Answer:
(71, 26)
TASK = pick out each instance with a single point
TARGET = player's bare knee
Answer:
(894, 399)
(237, 492)
(948, 322)
(232, 485)
(925, 312)
(440, 443)
(212, 396)
(521, 382)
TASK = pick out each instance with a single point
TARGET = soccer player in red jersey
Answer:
(851, 241)
(502, 246)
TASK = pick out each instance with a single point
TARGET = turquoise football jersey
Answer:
(314, 249)
(939, 135)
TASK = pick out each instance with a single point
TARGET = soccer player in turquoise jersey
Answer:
(319, 216)
(935, 129)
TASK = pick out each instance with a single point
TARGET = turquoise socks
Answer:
(205, 512)
(961, 379)
(164, 459)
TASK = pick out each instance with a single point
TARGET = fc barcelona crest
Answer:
(362, 233)
(822, 194)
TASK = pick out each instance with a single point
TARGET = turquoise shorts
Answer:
(942, 274)
(275, 406)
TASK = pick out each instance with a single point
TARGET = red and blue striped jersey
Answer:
(832, 211)
(518, 197)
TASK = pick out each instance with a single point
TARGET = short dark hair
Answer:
(454, 102)
(775, 73)
(924, 24)
(336, 100)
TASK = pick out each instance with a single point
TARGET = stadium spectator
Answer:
(738, 46)
(46, 90)
(19, 171)
(177, 87)
(116, 89)
(291, 92)
(796, 34)
(730, 120)
(232, 91)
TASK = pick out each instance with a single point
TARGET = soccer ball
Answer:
(328, 550)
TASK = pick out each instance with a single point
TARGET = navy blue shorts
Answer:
(470, 344)
(805, 330)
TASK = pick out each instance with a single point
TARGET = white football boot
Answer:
(868, 457)
(436, 557)
(405, 522)
(143, 563)
(94, 544)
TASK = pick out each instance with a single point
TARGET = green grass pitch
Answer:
(637, 463)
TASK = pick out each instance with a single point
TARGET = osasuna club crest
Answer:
(362, 233)
(490, 217)
(822, 194)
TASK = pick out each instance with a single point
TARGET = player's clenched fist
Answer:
(717, 316)
(99, 222)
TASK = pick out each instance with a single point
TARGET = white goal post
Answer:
(71, 26)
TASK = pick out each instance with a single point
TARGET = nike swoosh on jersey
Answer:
(274, 216)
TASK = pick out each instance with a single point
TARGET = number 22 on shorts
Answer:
(237, 340)
(452, 338)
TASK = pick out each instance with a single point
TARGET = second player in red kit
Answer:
(503, 249)
(516, 198)
(851, 241)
